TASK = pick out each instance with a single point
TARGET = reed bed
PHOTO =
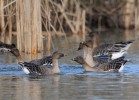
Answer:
(29, 18)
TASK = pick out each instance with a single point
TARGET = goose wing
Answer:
(106, 49)
(43, 61)
(35, 69)
(102, 58)
(121, 46)
(112, 66)
(102, 50)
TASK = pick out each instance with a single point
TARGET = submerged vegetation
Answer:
(34, 20)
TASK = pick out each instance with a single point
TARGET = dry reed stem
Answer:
(78, 12)
(71, 6)
(83, 21)
(22, 36)
(28, 18)
(48, 34)
(83, 24)
(9, 35)
(34, 28)
(27, 25)
(99, 22)
(29, 22)
(65, 16)
(2, 23)
(18, 23)
(47, 16)
(48, 47)
(10, 12)
(129, 11)
(9, 4)
(39, 28)
(59, 21)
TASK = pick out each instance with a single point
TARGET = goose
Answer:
(4, 47)
(88, 52)
(116, 65)
(116, 49)
(33, 67)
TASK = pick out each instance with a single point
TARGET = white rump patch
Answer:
(127, 47)
(25, 70)
(117, 55)
(121, 69)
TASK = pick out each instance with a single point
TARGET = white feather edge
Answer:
(25, 70)
(121, 68)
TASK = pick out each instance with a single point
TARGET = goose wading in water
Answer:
(116, 65)
(88, 52)
(35, 68)
(111, 51)
(116, 49)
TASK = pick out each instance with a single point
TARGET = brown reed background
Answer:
(32, 21)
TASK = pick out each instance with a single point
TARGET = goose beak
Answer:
(85, 44)
(9, 50)
(78, 49)
(82, 42)
(73, 59)
(80, 46)
(63, 55)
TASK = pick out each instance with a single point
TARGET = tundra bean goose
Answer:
(32, 68)
(115, 50)
(88, 52)
(116, 65)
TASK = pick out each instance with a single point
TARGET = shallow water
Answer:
(73, 83)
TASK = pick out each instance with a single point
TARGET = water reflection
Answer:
(57, 87)
(73, 83)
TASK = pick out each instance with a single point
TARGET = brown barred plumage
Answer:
(112, 66)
